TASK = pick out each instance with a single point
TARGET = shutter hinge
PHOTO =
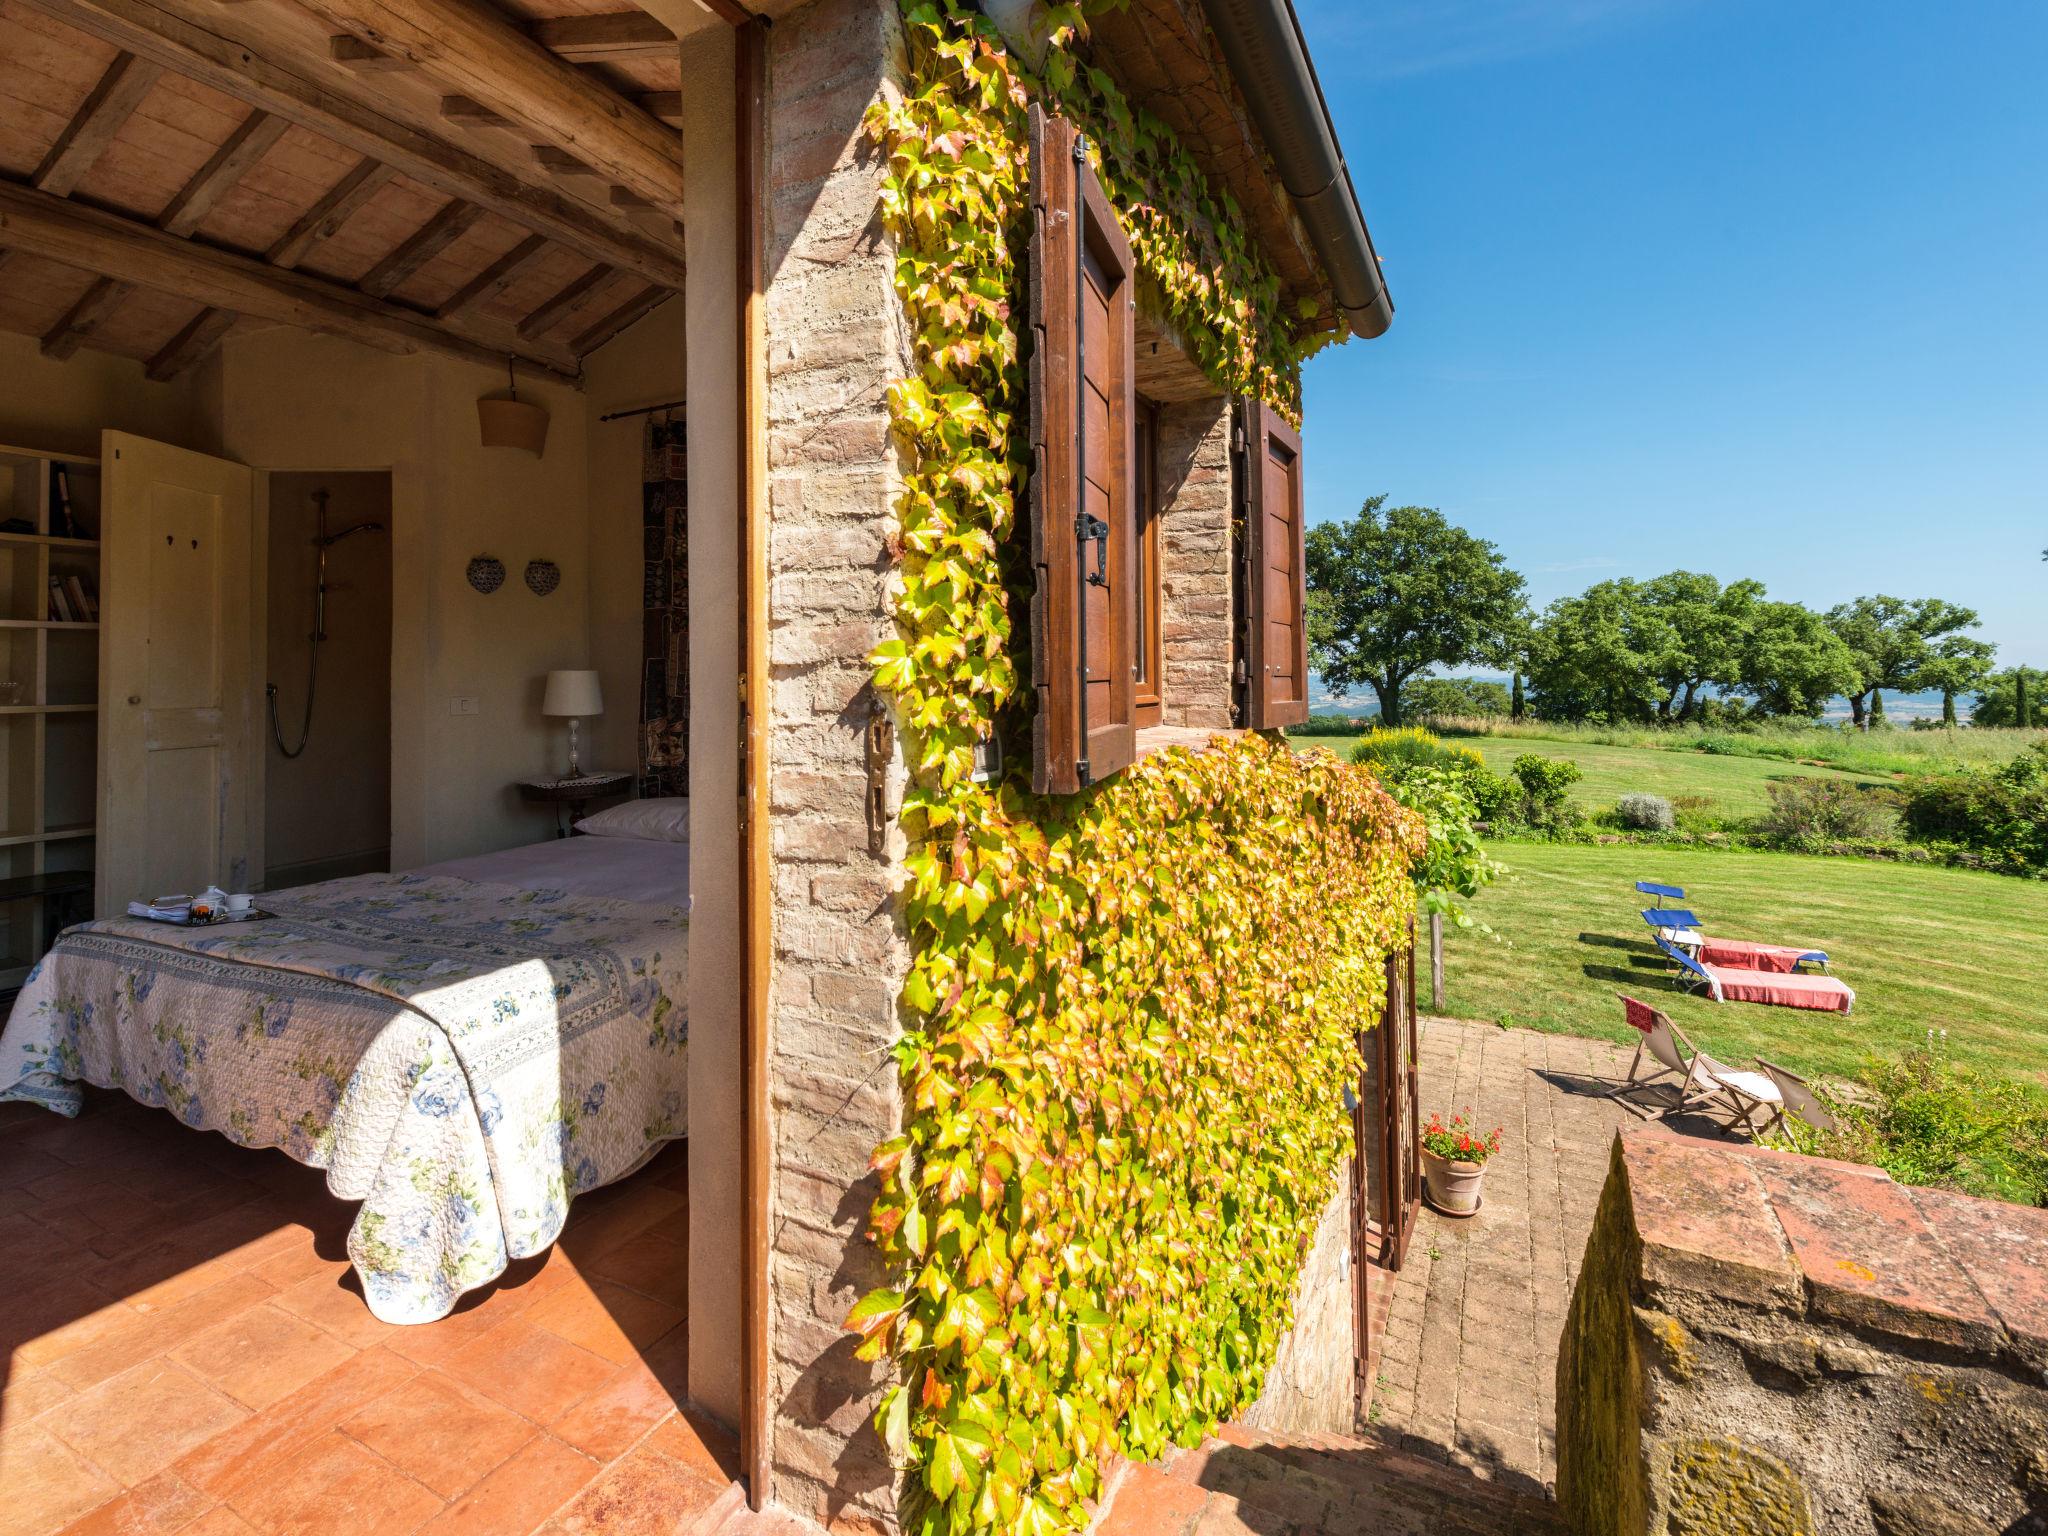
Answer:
(1086, 527)
(881, 745)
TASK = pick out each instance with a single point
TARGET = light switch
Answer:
(462, 704)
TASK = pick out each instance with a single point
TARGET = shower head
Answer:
(335, 538)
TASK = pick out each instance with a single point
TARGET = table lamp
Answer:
(574, 694)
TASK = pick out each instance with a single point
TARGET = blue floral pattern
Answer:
(461, 1058)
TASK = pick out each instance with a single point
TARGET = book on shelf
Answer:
(62, 523)
(83, 604)
(60, 604)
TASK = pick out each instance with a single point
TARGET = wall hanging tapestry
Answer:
(665, 623)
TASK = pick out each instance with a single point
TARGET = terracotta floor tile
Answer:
(605, 1318)
(644, 1495)
(59, 1318)
(333, 1304)
(29, 1393)
(48, 1484)
(606, 1424)
(331, 1486)
(153, 1333)
(541, 1477)
(249, 1452)
(164, 1504)
(481, 1311)
(597, 1224)
(693, 1441)
(652, 1263)
(300, 1262)
(262, 1354)
(220, 1521)
(139, 1422)
(530, 1370)
(439, 1432)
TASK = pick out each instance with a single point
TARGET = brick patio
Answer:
(1466, 1369)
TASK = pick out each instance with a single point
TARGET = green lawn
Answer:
(1924, 947)
(1732, 787)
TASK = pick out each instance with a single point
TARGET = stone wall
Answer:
(1762, 1344)
(836, 340)
(1311, 1388)
(1194, 563)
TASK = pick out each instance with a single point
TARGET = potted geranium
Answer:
(1454, 1162)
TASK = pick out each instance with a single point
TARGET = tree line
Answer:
(1397, 592)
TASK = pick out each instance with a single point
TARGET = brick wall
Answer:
(836, 340)
(1310, 1387)
(1194, 562)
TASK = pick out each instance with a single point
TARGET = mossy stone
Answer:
(1719, 1486)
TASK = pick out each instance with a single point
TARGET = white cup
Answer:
(241, 901)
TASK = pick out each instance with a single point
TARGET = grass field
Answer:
(1732, 788)
(1925, 948)
(1875, 752)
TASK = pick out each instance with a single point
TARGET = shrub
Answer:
(2001, 813)
(1455, 698)
(1332, 725)
(1453, 865)
(1927, 1120)
(1396, 753)
(1811, 813)
(1646, 813)
(1546, 786)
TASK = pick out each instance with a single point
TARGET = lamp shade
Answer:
(572, 693)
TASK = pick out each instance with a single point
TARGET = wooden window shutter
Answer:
(1276, 570)
(1081, 505)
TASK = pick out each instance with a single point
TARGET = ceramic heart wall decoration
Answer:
(543, 576)
(487, 573)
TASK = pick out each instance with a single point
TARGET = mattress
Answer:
(618, 868)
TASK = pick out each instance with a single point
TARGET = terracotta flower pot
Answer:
(1452, 1187)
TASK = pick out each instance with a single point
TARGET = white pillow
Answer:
(663, 819)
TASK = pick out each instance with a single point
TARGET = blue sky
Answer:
(1759, 289)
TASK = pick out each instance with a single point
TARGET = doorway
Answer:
(327, 725)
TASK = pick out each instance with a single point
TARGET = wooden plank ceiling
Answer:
(492, 179)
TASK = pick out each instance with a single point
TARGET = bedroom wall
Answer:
(641, 366)
(61, 407)
(289, 400)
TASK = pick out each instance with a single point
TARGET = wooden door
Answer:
(178, 802)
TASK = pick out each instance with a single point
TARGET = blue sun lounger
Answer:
(1652, 888)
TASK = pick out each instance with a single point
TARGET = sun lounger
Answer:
(1652, 888)
(1729, 984)
(1674, 923)
(1741, 955)
(1682, 927)
(1704, 1086)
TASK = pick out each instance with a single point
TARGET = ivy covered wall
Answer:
(1132, 1013)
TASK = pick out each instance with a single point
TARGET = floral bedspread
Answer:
(461, 1058)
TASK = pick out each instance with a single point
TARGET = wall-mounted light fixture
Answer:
(506, 421)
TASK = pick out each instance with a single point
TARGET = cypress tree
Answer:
(2022, 706)
(1517, 707)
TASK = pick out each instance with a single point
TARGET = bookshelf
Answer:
(49, 691)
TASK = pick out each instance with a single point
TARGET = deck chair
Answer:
(1727, 984)
(1797, 1098)
(1723, 1094)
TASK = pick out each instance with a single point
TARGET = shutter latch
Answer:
(1088, 527)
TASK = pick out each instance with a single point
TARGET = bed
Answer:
(464, 1048)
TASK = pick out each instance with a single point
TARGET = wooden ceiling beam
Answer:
(664, 105)
(86, 316)
(471, 114)
(475, 50)
(245, 146)
(604, 36)
(353, 54)
(191, 345)
(432, 238)
(564, 302)
(626, 314)
(159, 33)
(494, 279)
(125, 251)
(92, 128)
(326, 217)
